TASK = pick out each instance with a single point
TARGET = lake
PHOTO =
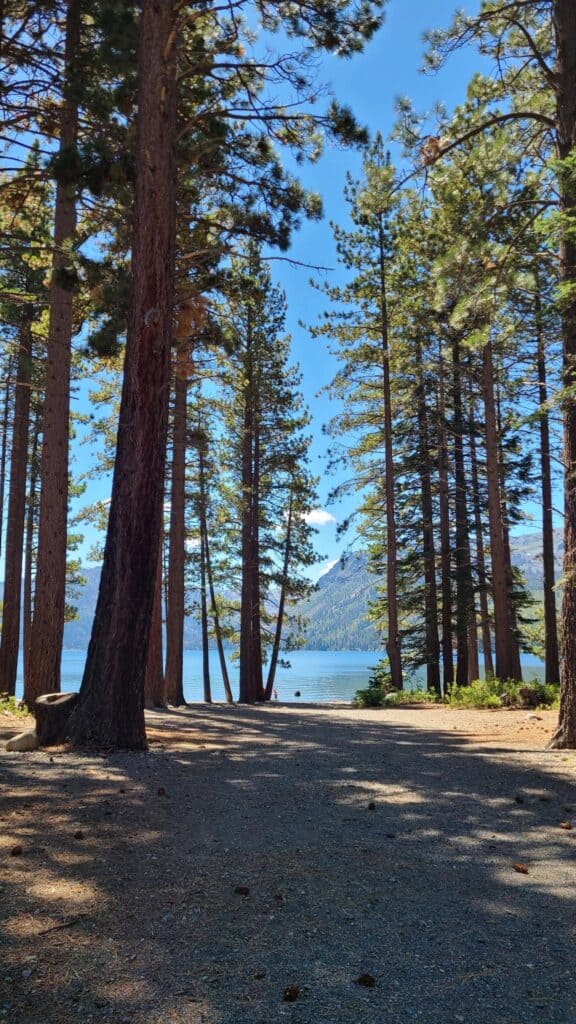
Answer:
(319, 676)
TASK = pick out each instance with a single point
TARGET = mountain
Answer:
(77, 632)
(527, 556)
(336, 610)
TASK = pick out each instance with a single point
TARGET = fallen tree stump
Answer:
(52, 711)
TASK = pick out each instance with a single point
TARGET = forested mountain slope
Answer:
(336, 611)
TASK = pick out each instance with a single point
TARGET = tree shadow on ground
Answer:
(288, 847)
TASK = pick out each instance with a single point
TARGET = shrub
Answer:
(496, 693)
(481, 693)
(379, 686)
(412, 697)
(380, 692)
(11, 706)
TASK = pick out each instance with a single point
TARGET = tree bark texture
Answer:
(445, 546)
(50, 587)
(251, 681)
(111, 707)
(29, 553)
(504, 639)
(281, 602)
(564, 18)
(512, 598)
(4, 448)
(154, 682)
(207, 689)
(428, 547)
(465, 610)
(480, 551)
(210, 580)
(393, 634)
(16, 518)
(177, 552)
(52, 712)
(552, 654)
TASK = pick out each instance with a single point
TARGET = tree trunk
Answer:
(177, 551)
(255, 600)
(204, 623)
(428, 550)
(154, 682)
(16, 518)
(445, 545)
(52, 712)
(3, 452)
(393, 636)
(29, 555)
(210, 580)
(247, 694)
(466, 648)
(111, 707)
(480, 552)
(251, 682)
(50, 588)
(516, 664)
(552, 658)
(504, 637)
(281, 602)
(564, 17)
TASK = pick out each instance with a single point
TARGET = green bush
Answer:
(497, 693)
(481, 693)
(380, 692)
(371, 697)
(379, 686)
(11, 706)
(413, 697)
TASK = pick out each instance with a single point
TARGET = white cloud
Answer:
(319, 517)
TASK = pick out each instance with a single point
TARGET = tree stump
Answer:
(52, 711)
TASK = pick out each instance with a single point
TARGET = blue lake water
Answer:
(317, 675)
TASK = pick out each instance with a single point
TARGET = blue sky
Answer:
(370, 84)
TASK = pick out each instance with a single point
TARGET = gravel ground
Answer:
(311, 865)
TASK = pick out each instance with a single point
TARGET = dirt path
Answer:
(252, 851)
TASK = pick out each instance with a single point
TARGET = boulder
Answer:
(23, 741)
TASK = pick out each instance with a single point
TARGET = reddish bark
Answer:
(4, 449)
(466, 634)
(564, 18)
(480, 551)
(111, 707)
(210, 580)
(204, 623)
(393, 632)
(428, 547)
(281, 602)
(29, 554)
(176, 556)
(251, 681)
(503, 633)
(154, 682)
(12, 595)
(50, 590)
(445, 547)
(552, 656)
